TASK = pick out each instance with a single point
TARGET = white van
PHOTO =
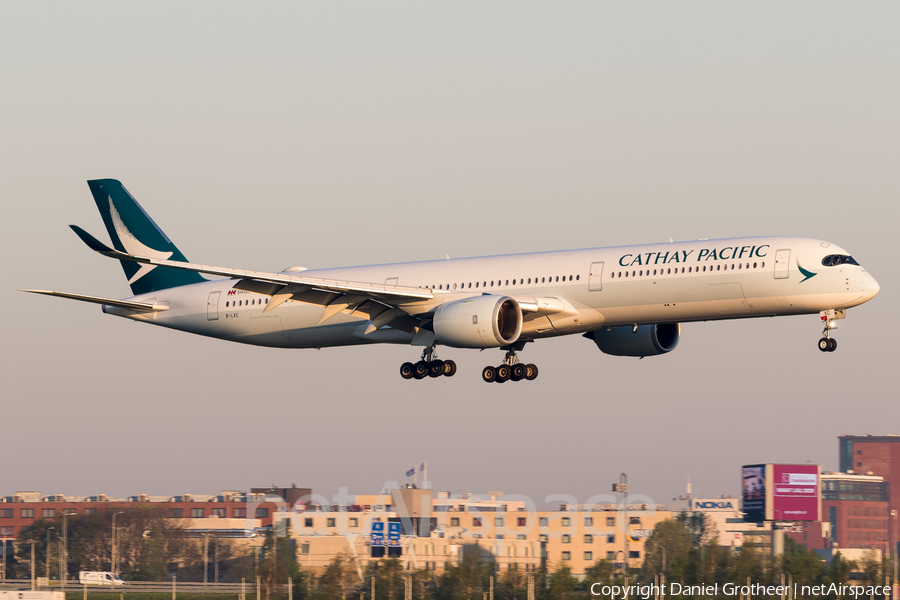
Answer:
(99, 578)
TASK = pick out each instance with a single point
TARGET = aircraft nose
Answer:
(870, 287)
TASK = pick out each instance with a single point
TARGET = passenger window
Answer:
(226, 305)
(754, 265)
(507, 282)
(626, 273)
(578, 278)
(689, 269)
(763, 265)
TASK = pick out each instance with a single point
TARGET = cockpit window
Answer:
(833, 260)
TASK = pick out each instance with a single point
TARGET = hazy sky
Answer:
(353, 133)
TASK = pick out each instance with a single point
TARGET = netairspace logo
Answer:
(645, 592)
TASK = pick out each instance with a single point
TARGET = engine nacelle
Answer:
(479, 322)
(647, 340)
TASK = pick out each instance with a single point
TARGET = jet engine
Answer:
(480, 322)
(646, 340)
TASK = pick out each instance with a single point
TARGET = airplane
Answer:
(628, 300)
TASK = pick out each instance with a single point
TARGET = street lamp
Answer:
(617, 556)
(47, 557)
(894, 545)
(622, 487)
(32, 563)
(112, 561)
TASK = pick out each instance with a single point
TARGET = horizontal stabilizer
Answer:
(97, 300)
(92, 242)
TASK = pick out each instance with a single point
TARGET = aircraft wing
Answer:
(336, 296)
(97, 300)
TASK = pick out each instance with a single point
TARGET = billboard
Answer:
(773, 492)
(796, 493)
(377, 533)
(753, 492)
(393, 534)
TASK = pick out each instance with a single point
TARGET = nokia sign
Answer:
(728, 504)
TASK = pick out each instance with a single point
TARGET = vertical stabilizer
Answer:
(134, 232)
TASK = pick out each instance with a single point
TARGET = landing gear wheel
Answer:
(489, 374)
(406, 370)
(449, 368)
(531, 372)
(503, 373)
(824, 344)
(420, 370)
(518, 372)
(832, 344)
(436, 368)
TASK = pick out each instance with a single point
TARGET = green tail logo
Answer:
(806, 274)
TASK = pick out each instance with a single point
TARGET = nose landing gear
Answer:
(428, 366)
(827, 343)
(510, 370)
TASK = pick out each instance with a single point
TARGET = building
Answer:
(877, 455)
(435, 530)
(856, 509)
(244, 512)
(723, 512)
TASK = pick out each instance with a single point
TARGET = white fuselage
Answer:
(622, 285)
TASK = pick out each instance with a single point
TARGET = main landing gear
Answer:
(428, 366)
(511, 369)
(827, 343)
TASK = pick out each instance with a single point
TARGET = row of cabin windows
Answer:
(251, 302)
(669, 271)
(502, 282)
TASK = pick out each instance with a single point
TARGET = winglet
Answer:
(92, 242)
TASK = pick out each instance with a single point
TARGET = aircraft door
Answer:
(595, 282)
(783, 263)
(212, 306)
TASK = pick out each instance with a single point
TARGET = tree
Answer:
(672, 539)
(870, 567)
(600, 572)
(802, 565)
(340, 578)
(278, 561)
(470, 575)
(562, 583)
(512, 584)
